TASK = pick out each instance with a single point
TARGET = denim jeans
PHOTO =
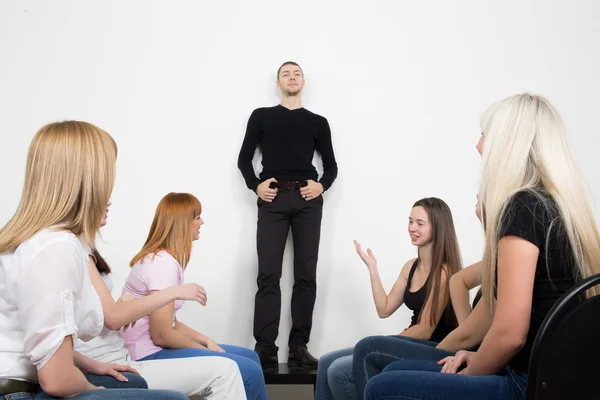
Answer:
(421, 379)
(246, 359)
(134, 381)
(134, 389)
(334, 376)
(372, 354)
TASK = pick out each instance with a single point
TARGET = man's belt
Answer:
(15, 386)
(288, 185)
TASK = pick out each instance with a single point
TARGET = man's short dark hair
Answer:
(289, 63)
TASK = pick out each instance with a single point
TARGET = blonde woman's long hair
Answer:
(171, 228)
(526, 148)
(69, 177)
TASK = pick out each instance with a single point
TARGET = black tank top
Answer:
(476, 299)
(415, 302)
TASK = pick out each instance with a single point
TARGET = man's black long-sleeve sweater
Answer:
(287, 140)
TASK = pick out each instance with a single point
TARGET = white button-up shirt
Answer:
(45, 295)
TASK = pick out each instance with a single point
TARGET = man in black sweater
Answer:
(289, 195)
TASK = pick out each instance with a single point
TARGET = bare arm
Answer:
(387, 304)
(460, 284)
(470, 333)
(517, 259)
(197, 337)
(192, 334)
(82, 362)
(424, 329)
(164, 334)
(117, 315)
(60, 377)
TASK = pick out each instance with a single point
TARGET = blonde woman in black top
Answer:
(541, 238)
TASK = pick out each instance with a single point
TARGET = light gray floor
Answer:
(290, 392)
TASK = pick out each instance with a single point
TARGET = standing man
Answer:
(289, 195)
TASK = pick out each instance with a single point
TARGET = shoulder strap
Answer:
(412, 272)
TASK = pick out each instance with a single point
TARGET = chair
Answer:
(565, 358)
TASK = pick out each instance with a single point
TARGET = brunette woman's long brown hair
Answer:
(444, 252)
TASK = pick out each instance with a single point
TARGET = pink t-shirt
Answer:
(154, 272)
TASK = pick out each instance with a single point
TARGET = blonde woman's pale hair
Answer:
(69, 177)
(526, 148)
(171, 229)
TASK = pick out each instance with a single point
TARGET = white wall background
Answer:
(401, 82)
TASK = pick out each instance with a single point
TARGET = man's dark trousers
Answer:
(288, 209)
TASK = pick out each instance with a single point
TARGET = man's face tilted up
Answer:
(290, 80)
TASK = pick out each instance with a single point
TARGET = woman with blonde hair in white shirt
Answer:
(47, 301)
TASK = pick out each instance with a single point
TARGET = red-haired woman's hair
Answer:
(171, 228)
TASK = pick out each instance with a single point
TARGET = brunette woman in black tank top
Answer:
(431, 230)
(372, 354)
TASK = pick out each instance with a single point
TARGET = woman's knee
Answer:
(340, 370)
(135, 380)
(383, 385)
(327, 359)
(365, 344)
(251, 354)
(252, 372)
(225, 367)
(241, 351)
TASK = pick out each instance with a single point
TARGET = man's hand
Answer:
(311, 191)
(265, 192)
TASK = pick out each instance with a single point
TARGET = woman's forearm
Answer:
(192, 334)
(495, 353)
(459, 294)
(379, 294)
(470, 333)
(457, 340)
(82, 362)
(60, 377)
(117, 315)
(172, 338)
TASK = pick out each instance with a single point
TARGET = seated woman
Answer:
(160, 264)
(47, 300)
(211, 377)
(372, 354)
(541, 238)
(422, 285)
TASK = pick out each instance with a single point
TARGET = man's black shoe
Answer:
(302, 358)
(267, 360)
